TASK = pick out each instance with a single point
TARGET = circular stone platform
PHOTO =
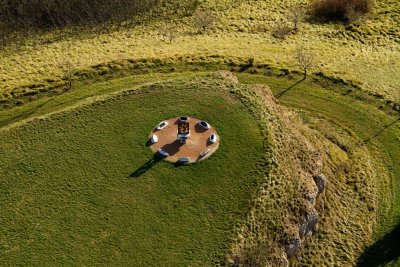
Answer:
(196, 144)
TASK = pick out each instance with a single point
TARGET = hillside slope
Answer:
(321, 192)
(365, 53)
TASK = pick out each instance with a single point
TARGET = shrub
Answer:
(281, 30)
(203, 19)
(168, 33)
(19, 102)
(296, 15)
(340, 10)
(55, 13)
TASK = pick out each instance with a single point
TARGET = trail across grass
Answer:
(68, 197)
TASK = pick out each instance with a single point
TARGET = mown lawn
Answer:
(67, 195)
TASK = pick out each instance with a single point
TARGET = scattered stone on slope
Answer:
(320, 181)
(311, 195)
(307, 226)
(293, 247)
(284, 261)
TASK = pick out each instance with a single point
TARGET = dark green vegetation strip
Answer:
(67, 195)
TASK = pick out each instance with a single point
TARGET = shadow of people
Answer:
(199, 129)
(209, 143)
(147, 166)
(149, 143)
(288, 89)
(383, 251)
(178, 164)
(172, 148)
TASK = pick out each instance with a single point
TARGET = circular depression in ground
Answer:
(197, 143)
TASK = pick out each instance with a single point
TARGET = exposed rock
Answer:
(320, 181)
(230, 76)
(293, 247)
(307, 226)
(311, 197)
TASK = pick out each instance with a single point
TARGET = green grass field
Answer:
(67, 195)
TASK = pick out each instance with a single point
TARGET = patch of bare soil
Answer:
(197, 144)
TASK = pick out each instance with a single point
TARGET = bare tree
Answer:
(168, 32)
(305, 59)
(68, 70)
(296, 15)
(203, 19)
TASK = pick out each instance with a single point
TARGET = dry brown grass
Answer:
(366, 53)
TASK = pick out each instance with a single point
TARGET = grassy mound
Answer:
(67, 195)
(355, 200)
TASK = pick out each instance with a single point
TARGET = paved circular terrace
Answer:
(197, 144)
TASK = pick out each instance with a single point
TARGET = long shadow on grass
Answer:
(23, 115)
(290, 88)
(385, 250)
(147, 166)
(381, 130)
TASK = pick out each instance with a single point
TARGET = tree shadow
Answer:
(381, 130)
(244, 67)
(24, 115)
(147, 166)
(288, 89)
(383, 251)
